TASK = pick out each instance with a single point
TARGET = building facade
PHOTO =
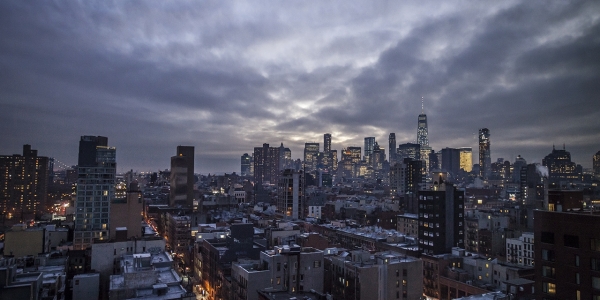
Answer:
(23, 183)
(485, 158)
(95, 189)
(182, 177)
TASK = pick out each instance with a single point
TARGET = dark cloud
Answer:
(226, 77)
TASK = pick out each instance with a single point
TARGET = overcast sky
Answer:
(227, 76)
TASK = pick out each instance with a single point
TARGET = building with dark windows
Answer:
(392, 148)
(408, 150)
(95, 190)
(368, 149)
(290, 194)
(596, 164)
(560, 167)
(327, 142)
(405, 180)
(567, 255)
(485, 156)
(441, 219)
(451, 160)
(246, 165)
(182, 177)
(23, 184)
(266, 165)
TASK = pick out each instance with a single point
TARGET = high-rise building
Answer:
(405, 180)
(466, 158)
(441, 218)
(311, 154)
(285, 158)
(327, 142)
(245, 163)
(126, 212)
(422, 130)
(408, 150)
(560, 167)
(266, 165)
(290, 194)
(23, 183)
(520, 162)
(377, 157)
(369, 146)
(485, 157)
(392, 148)
(95, 190)
(451, 160)
(182, 177)
(596, 164)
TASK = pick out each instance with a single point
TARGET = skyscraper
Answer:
(596, 164)
(311, 153)
(23, 183)
(95, 189)
(182, 177)
(485, 158)
(422, 130)
(451, 160)
(392, 148)
(369, 146)
(327, 142)
(266, 165)
(245, 165)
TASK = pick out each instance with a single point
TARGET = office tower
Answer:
(560, 167)
(392, 148)
(596, 164)
(23, 184)
(377, 157)
(95, 190)
(519, 163)
(285, 158)
(451, 160)
(266, 165)
(567, 254)
(485, 158)
(441, 218)
(245, 163)
(182, 177)
(422, 130)
(466, 159)
(290, 194)
(408, 150)
(334, 160)
(327, 142)
(311, 153)
(355, 153)
(369, 146)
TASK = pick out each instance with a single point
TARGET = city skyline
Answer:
(228, 77)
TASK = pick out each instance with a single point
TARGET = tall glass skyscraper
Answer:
(485, 158)
(369, 146)
(326, 143)
(392, 149)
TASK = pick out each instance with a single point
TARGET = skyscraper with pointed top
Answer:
(422, 128)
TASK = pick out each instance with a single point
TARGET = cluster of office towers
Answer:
(370, 161)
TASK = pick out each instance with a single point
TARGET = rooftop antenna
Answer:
(422, 108)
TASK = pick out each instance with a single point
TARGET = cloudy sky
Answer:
(226, 76)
